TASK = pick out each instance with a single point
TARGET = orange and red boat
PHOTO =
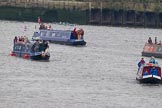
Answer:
(152, 50)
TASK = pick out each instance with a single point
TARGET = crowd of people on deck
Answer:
(38, 46)
(43, 26)
(78, 34)
(151, 42)
(153, 70)
(21, 39)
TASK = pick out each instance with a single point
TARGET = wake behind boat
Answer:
(35, 50)
(68, 37)
(149, 73)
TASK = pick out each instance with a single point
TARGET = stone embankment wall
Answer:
(138, 5)
(145, 13)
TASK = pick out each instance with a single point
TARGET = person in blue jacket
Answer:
(152, 60)
(153, 71)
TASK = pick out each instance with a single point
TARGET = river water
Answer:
(99, 75)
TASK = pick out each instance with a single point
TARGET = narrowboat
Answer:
(149, 73)
(151, 49)
(34, 50)
(67, 37)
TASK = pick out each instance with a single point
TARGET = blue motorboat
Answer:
(68, 37)
(35, 50)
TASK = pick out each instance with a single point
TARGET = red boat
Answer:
(152, 50)
(149, 73)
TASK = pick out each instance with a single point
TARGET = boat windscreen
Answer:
(43, 33)
(152, 70)
(17, 47)
(36, 34)
(21, 47)
(60, 34)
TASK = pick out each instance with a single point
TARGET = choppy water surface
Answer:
(100, 75)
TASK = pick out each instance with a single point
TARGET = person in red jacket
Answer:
(142, 62)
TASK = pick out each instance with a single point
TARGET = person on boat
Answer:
(159, 43)
(35, 47)
(74, 33)
(80, 33)
(42, 26)
(49, 27)
(141, 62)
(146, 72)
(153, 71)
(155, 40)
(39, 20)
(152, 60)
(20, 39)
(15, 39)
(150, 40)
(46, 46)
(43, 46)
(26, 39)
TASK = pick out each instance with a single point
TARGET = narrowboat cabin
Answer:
(149, 73)
(67, 37)
(34, 50)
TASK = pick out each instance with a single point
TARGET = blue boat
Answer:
(35, 50)
(68, 37)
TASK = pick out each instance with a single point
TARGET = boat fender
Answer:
(26, 56)
(12, 54)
